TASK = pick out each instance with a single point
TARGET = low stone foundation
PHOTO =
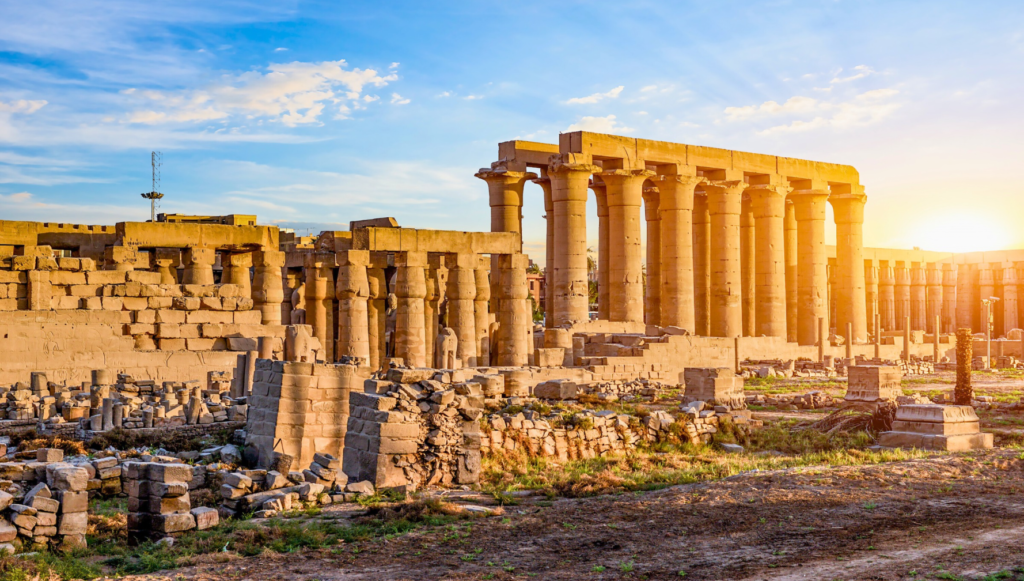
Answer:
(936, 427)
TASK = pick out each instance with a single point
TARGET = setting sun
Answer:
(968, 232)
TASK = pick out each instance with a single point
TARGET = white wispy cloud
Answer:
(25, 106)
(596, 97)
(397, 99)
(864, 109)
(793, 105)
(473, 97)
(860, 71)
(280, 49)
(606, 124)
(293, 94)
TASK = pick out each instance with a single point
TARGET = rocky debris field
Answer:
(943, 517)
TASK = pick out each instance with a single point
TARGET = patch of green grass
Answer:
(664, 464)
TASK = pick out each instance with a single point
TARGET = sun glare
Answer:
(961, 233)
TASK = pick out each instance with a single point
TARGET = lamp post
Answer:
(988, 330)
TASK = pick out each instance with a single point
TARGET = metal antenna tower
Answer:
(155, 160)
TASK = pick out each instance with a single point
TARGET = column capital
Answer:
(726, 186)
(505, 176)
(683, 180)
(560, 166)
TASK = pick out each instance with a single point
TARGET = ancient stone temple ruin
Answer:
(384, 356)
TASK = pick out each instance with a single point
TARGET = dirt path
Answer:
(901, 520)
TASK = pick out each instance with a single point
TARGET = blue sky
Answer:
(313, 114)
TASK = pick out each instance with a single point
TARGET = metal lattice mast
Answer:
(155, 161)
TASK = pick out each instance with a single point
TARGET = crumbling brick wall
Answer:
(416, 430)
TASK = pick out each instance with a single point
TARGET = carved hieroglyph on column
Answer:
(480, 309)
(812, 278)
(375, 307)
(461, 291)
(625, 268)
(652, 288)
(570, 178)
(515, 322)
(768, 203)
(410, 290)
(724, 204)
(319, 297)
(676, 208)
(352, 290)
(268, 289)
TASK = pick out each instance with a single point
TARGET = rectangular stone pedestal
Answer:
(936, 427)
(873, 383)
(714, 385)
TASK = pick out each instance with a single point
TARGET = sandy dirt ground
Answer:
(944, 517)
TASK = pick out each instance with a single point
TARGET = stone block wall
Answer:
(416, 428)
(300, 409)
(64, 317)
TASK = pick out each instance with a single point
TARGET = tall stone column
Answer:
(652, 288)
(483, 319)
(199, 265)
(236, 268)
(748, 287)
(701, 263)
(410, 290)
(461, 290)
(625, 267)
(514, 320)
(268, 286)
(871, 295)
(902, 294)
(848, 207)
(792, 299)
(375, 308)
(319, 269)
(918, 297)
(986, 289)
(603, 250)
(505, 188)
(933, 276)
(569, 185)
(966, 296)
(432, 305)
(812, 277)
(352, 290)
(887, 297)
(549, 249)
(675, 204)
(949, 299)
(768, 204)
(1010, 281)
(724, 205)
(461, 304)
